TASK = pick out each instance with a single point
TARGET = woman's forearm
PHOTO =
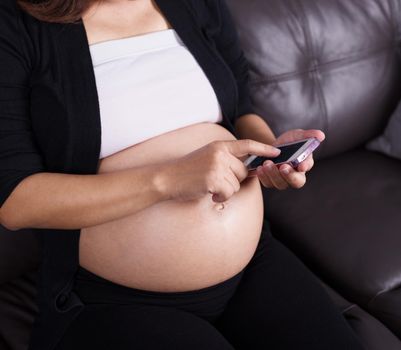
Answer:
(68, 201)
(252, 126)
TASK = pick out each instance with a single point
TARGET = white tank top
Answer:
(149, 85)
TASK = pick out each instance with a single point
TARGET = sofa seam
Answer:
(398, 27)
(383, 291)
(396, 19)
(393, 17)
(314, 70)
(353, 306)
(337, 63)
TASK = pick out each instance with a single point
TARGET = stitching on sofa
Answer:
(397, 14)
(383, 291)
(349, 308)
(396, 19)
(315, 67)
(392, 6)
(337, 63)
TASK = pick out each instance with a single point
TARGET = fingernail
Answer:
(277, 150)
(286, 171)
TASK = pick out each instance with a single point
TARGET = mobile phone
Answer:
(292, 153)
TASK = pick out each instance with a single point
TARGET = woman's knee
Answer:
(280, 304)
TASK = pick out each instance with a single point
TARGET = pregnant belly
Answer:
(172, 245)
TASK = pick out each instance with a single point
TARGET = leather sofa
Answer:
(335, 65)
(329, 64)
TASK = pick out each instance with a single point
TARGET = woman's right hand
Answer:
(216, 169)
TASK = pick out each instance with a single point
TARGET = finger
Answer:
(294, 178)
(240, 148)
(276, 178)
(233, 181)
(238, 169)
(319, 134)
(306, 134)
(264, 179)
(252, 172)
(306, 165)
(225, 192)
(300, 134)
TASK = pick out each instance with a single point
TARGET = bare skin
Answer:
(174, 213)
(178, 244)
(175, 245)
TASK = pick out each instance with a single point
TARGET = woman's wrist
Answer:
(160, 182)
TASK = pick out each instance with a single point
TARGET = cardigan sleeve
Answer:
(228, 44)
(19, 156)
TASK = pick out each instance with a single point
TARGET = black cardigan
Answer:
(50, 121)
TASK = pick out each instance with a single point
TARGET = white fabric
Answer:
(149, 85)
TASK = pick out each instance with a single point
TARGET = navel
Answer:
(220, 206)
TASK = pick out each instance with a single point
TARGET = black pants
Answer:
(274, 303)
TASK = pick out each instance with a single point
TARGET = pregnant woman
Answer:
(124, 127)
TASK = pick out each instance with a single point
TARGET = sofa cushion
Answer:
(18, 310)
(327, 64)
(345, 224)
(373, 334)
(390, 142)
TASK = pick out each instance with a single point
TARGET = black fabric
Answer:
(207, 303)
(50, 122)
(18, 152)
(372, 333)
(352, 238)
(259, 308)
(30, 77)
(17, 311)
(19, 254)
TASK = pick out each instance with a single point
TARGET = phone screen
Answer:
(286, 153)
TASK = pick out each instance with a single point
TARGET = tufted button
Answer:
(314, 63)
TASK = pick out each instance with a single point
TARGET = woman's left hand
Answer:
(284, 176)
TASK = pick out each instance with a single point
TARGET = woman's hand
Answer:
(216, 168)
(284, 176)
